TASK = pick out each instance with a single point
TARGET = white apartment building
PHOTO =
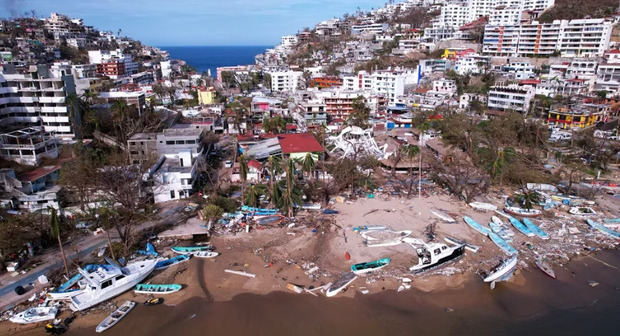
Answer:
(36, 99)
(289, 41)
(285, 81)
(608, 73)
(500, 40)
(471, 64)
(445, 86)
(538, 38)
(409, 45)
(505, 16)
(106, 56)
(370, 28)
(510, 98)
(361, 81)
(585, 38)
(500, 12)
(173, 177)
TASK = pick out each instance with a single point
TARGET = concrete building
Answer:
(500, 40)
(32, 191)
(175, 140)
(173, 177)
(369, 28)
(142, 147)
(28, 146)
(285, 81)
(206, 96)
(445, 86)
(134, 98)
(510, 98)
(585, 38)
(314, 112)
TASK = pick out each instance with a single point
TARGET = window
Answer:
(171, 193)
(169, 142)
(106, 284)
(119, 277)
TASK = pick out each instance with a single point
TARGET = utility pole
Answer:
(420, 142)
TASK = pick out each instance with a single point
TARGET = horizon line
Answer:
(221, 45)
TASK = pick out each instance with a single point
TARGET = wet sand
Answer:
(531, 303)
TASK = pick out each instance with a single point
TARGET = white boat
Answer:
(34, 315)
(116, 316)
(502, 271)
(340, 284)
(205, 254)
(522, 212)
(481, 206)
(433, 255)
(104, 284)
(444, 217)
(541, 187)
(456, 241)
(582, 211)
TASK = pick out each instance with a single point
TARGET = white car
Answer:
(228, 164)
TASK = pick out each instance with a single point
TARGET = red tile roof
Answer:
(36, 174)
(254, 164)
(299, 143)
(529, 82)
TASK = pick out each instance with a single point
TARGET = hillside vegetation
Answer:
(572, 9)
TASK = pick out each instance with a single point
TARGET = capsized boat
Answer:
(116, 316)
(582, 211)
(443, 216)
(191, 249)
(433, 255)
(340, 284)
(157, 288)
(163, 264)
(522, 212)
(534, 228)
(476, 226)
(503, 271)
(481, 206)
(205, 254)
(367, 267)
(103, 284)
(545, 267)
(502, 244)
(603, 228)
(34, 315)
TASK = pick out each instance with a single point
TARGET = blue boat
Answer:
(501, 243)
(603, 228)
(612, 220)
(261, 210)
(519, 226)
(191, 249)
(330, 212)
(149, 251)
(534, 228)
(477, 226)
(172, 261)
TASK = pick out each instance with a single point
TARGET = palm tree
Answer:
(291, 194)
(55, 231)
(105, 215)
(307, 164)
(243, 173)
(76, 106)
(411, 151)
(275, 168)
(254, 193)
(503, 157)
(528, 198)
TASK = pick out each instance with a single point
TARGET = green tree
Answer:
(361, 113)
(411, 151)
(55, 232)
(243, 173)
(307, 164)
(253, 194)
(528, 198)
(211, 213)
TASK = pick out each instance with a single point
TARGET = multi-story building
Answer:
(574, 116)
(370, 28)
(510, 98)
(500, 40)
(585, 38)
(113, 63)
(36, 99)
(608, 73)
(314, 112)
(111, 69)
(289, 41)
(285, 81)
(326, 82)
(133, 98)
(142, 147)
(471, 64)
(32, 191)
(172, 141)
(505, 15)
(445, 86)
(173, 177)
(539, 39)
(28, 146)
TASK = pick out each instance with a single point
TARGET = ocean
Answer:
(210, 57)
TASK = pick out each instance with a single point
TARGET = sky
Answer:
(195, 22)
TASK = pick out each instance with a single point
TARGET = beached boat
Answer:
(582, 211)
(534, 228)
(340, 284)
(603, 228)
(502, 271)
(362, 228)
(191, 249)
(310, 206)
(433, 255)
(153, 301)
(163, 264)
(497, 226)
(456, 241)
(476, 226)
(34, 315)
(262, 210)
(545, 267)
(103, 284)
(116, 316)
(330, 212)
(205, 254)
(74, 285)
(520, 226)
(612, 221)
(502, 244)
(270, 220)
(367, 267)
(516, 211)
(541, 187)
(157, 288)
(444, 217)
(481, 206)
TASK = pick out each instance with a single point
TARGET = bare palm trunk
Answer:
(110, 244)
(62, 253)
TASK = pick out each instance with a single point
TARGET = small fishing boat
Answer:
(516, 211)
(444, 217)
(153, 301)
(502, 271)
(310, 206)
(520, 227)
(545, 267)
(456, 241)
(481, 206)
(340, 284)
(541, 187)
(612, 220)
(330, 212)
(34, 315)
(502, 244)
(191, 249)
(270, 220)
(582, 211)
(262, 210)
(157, 288)
(116, 316)
(603, 228)
(369, 228)
(498, 227)
(163, 264)
(534, 228)
(434, 255)
(476, 226)
(367, 267)
(205, 254)
(68, 289)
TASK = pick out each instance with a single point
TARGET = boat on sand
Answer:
(502, 244)
(367, 267)
(443, 216)
(340, 284)
(481, 206)
(503, 271)
(534, 228)
(476, 226)
(34, 315)
(116, 316)
(545, 267)
(522, 212)
(157, 288)
(434, 255)
(191, 249)
(163, 264)
(603, 228)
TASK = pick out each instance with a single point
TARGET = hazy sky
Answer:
(195, 22)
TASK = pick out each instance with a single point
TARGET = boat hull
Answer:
(504, 270)
(456, 254)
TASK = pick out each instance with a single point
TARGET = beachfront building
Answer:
(510, 98)
(37, 99)
(285, 81)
